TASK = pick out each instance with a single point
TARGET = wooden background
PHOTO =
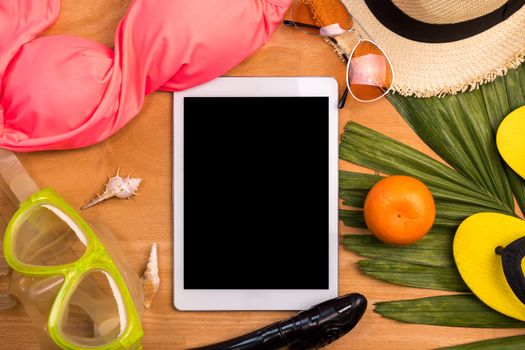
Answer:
(144, 149)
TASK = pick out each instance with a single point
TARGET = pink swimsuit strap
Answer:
(63, 92)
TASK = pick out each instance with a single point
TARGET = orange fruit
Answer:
(399, 210)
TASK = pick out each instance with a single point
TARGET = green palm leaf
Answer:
(365, 147)
(432, 250)
(509, 343)
(352, 218)
(461, 129)
(412, 275)
(353, 187)
(461, 310)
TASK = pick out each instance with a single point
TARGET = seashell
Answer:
(150, 278)
(123, 188)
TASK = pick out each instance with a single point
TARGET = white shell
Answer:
(151, 279)
(117, 187)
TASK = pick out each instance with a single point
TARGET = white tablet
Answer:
(255, 194)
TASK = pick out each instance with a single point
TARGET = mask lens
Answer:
(334, 22)
(369, 72)
(92, 316)
(45, 239)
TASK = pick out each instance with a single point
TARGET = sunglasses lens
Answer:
(369, 72)
(92, 316)
(45, 239)
(334, 22)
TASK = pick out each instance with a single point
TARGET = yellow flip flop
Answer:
(510, 140)
(481, 267)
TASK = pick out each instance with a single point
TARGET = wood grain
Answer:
(144, 149)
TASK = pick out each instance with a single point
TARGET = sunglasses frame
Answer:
(95, 258)
(342, 100)
(349, 60)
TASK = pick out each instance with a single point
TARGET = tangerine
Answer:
(399, 210)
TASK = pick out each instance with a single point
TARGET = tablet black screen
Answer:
(256, 193)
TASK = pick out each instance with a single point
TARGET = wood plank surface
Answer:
(144, 149)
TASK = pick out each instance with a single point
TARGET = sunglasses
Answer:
(91, 305)
(369, 74)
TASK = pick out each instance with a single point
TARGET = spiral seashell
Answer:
(150, 278)
(117, 186)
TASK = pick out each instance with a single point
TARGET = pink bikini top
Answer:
(62, 92)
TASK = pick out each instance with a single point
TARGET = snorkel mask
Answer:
(73, 282)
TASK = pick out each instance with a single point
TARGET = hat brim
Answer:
(435, 69)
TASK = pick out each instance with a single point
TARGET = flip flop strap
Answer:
(511, 257)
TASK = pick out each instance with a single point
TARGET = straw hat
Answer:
(442, 47)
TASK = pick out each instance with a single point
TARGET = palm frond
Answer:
(432, 250)
(508, 343)
(461, 310)
(461, 130)
(412, 275)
